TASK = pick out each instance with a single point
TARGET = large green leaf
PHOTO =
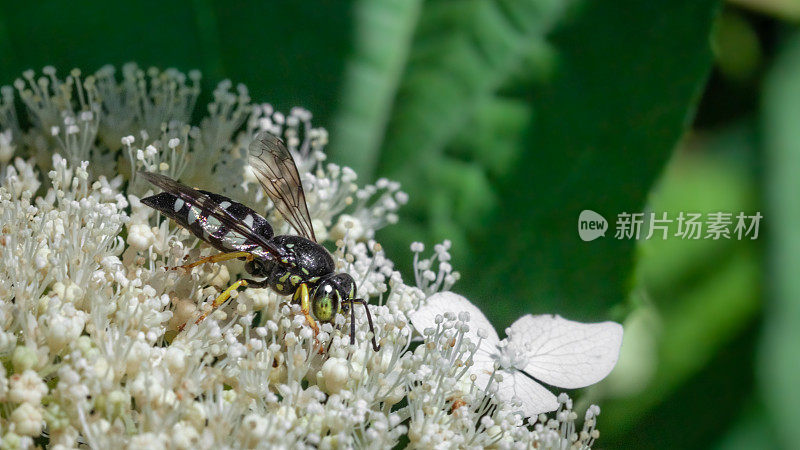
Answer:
(383, 34)
(88, 34)
(287, 52)
(462, 53)
(628, 78)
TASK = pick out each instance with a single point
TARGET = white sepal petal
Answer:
(533, 397)
(565, 353)
(443, 302)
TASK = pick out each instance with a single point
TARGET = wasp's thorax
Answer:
(305, 261)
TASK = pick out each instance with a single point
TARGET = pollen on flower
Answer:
(102, 337)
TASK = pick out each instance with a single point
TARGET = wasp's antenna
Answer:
(375, 345)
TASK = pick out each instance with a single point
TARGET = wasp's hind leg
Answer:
(225, 295)
(219, 257)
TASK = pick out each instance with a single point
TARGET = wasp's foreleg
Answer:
(302, 297)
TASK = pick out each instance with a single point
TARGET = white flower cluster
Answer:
(91, 351)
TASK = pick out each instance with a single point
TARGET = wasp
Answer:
(295, 265)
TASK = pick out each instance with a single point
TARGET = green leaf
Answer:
(463, 52)
(462, 55)
(627, 81)
(780, 359)
(492, 137)
(288, 53)
(383, 33)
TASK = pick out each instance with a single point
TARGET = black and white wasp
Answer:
(288, 264)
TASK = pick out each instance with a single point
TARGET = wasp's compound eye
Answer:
(326, 303)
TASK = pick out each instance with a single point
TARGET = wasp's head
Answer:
(330, 296)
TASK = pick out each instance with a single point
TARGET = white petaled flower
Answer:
(102, 342)
(551, 349)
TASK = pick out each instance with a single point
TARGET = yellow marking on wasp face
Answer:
(295, 279)
(313, 279)
(305, 271)
(323, 308)
(327, 303)
(279, 286)
(283, 277)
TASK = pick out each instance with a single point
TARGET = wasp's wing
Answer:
(202, 207)
(276, 171)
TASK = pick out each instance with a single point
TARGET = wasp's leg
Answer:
(225, 295)
(219, 257)
(352, 303)
(302, 297)
(330, 341)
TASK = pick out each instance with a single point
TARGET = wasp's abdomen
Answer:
(208, 228)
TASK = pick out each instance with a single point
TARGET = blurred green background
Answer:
(505, 119)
